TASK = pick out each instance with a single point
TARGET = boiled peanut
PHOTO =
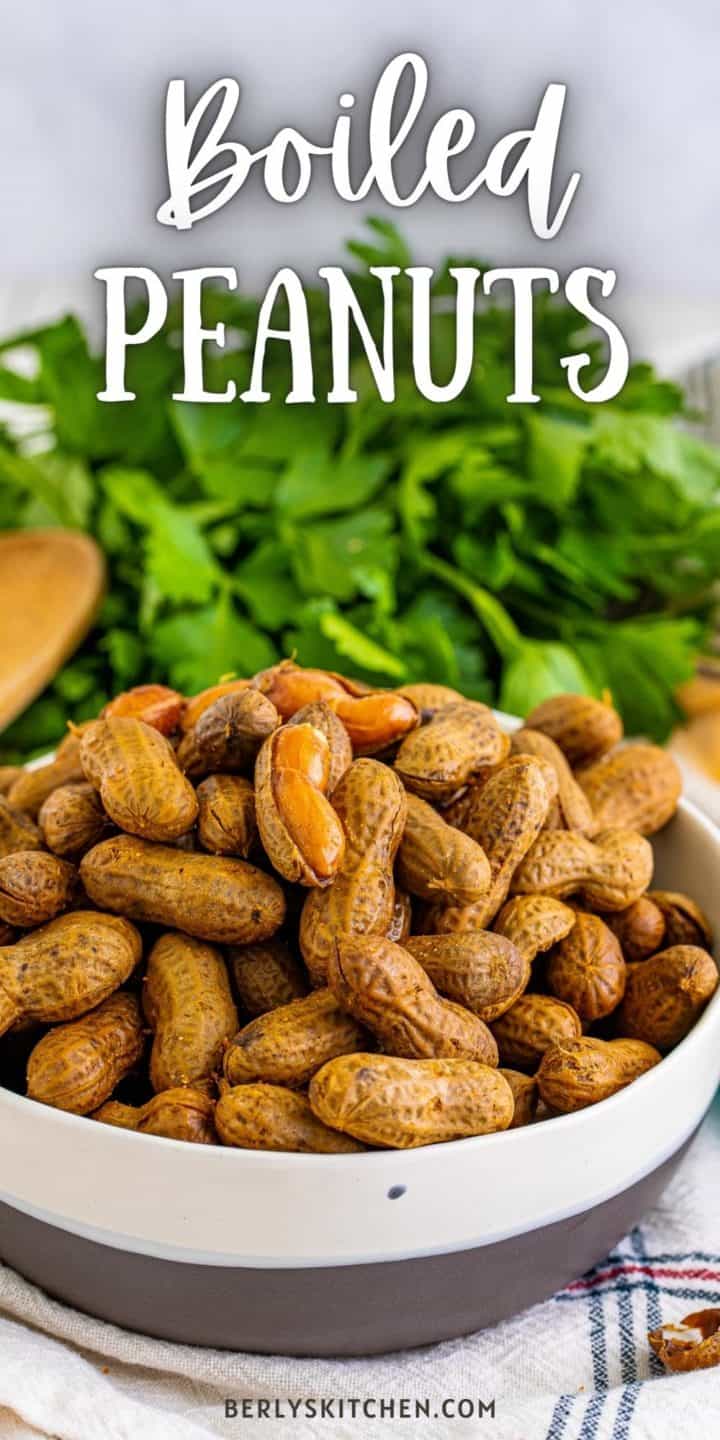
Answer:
(636, 787)
(640, 929)
(372, 807)
(388, 991)
(482, 971)
(291, 686)
(573, 809)
(533, 923)
(438, 862)
(35, 887)
(530, 1026)
(183, 1113)
(188, 1004)
(32, 787)
(506, 819)
(609, 873)
(440, 758)
(694, 1344)
(374, 721)
(197, 704)
(208, 896)
(401, 923)
(574, 1073)
(66, 967)
(324, 719)
(587, 969)
(428, 698)
(266, 976)
(8, 775)
(685, 922)
(156, 705)
(301, 833)
(226, 815)
(401, 1104)
(228, 734)
(287, 1045)
(525, 1095)
(72, 820)
(271, 1117)
(76, 1066)
(17, 831)
(665, 995)
(135, 772)
(583, 727)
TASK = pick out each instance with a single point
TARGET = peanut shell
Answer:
(271, 1117)
(301, 833)
(286, 1046)
(389, 992)
(401, 1104)
(578, 1072)
(508, 815)
(184, 1113)
(72, 820)
(609, 872)
(35, 887)
(228, 735)
(372, 807)
(665, 995)
(534, 1023)
(135, 772)
(65, 968)
(525, 1095)
(441, 757)
(17, 831)
(266, 976)
(188, 1003)
(640, 929)
(484, 972)
(76, 1066)
(584, 728)
(587, 969)
(32, 787)
(226, 815)
(437, 862)
(636, 787)
(209, 896)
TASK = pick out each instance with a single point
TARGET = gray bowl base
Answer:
(338, 1310)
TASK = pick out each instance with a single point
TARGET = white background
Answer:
(81, 153)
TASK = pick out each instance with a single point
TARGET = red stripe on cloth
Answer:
(665, 1272)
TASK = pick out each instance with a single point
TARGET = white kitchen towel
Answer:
(575, 1368)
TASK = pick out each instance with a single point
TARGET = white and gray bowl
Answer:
(329, 1255)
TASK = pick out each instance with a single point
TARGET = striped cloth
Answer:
(576, 1368)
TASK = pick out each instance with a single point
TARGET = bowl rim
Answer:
(299, 1161)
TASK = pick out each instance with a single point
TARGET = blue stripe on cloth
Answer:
(598, 1350)
(623, 1418)
(628, 1355)
(652, 1299)
(560, 1417)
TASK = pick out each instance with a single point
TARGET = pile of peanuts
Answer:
(293, 913)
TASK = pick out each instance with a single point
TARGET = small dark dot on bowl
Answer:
(396, 1191)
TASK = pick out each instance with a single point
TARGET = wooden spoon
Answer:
(51, 583)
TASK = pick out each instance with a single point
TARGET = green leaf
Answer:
(541, 669)
(193, 648)
(317, 483)
(556, 451)
(360, 649)
(332, 557)
(267, 587)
